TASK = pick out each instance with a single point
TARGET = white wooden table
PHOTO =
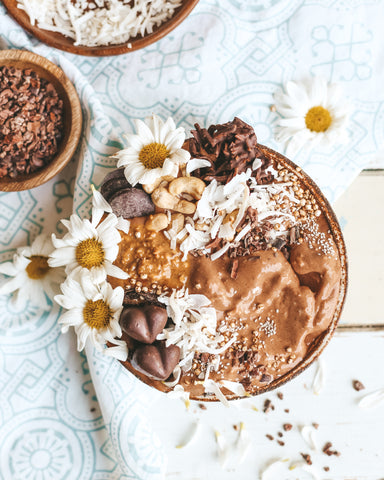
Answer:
(355, 352)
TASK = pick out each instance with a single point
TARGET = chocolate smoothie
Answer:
(238, 286)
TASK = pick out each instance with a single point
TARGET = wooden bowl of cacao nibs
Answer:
(40, 120)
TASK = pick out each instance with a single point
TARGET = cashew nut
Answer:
(150, 187)
(189, 185)
(231, 217)
(157, 222)
(163, 199)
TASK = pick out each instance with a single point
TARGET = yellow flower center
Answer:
(97, 314)
(318, 119)
(90, 253)
(38, 267)
(153, 155)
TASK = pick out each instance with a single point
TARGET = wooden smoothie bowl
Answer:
(72, 118)
(322, 340)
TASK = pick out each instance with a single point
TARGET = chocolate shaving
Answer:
(231, 149)
(235, 266)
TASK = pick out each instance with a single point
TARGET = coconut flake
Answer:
(306, 468)
(319, 378)
(372, 399)
(308, 433)
(195, 163)
(177, 374)
(222, 449)
(243, 443)
(112, 22)
(194, 326)
(191, 435)
(210, 386)
(234, 387)
(266, 474)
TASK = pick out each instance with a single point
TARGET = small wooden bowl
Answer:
(61, 42)
(72, 117)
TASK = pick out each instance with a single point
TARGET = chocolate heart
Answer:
(143, 323)
(156, 361)
(131, 202)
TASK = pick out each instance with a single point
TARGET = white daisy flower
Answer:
(94, 312)
(91, 244)
(312, 113)
(31, 277)
(154, 152)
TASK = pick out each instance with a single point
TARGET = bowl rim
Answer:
(59, 162)
(59, 41)
(323, 339)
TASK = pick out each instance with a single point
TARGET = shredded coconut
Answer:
(99, 22)
(194, 326)
(222, 207)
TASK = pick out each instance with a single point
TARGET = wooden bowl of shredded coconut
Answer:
(99, 27)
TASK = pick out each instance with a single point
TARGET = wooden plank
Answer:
(354, 432)
(361, 212)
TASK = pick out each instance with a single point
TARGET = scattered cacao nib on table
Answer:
(327, 450)
(268, 406)
(31, 121)
(287, 427)
(357, 385)
(307, 458)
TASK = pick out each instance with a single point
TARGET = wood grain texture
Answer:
(360, 210)
(72, 117)
(61, 42)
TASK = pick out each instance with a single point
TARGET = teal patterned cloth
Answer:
(65, 415)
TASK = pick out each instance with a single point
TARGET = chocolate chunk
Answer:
(143, 323)
(109, 189)
(131, 202)
(116, 174)
(156, 361)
